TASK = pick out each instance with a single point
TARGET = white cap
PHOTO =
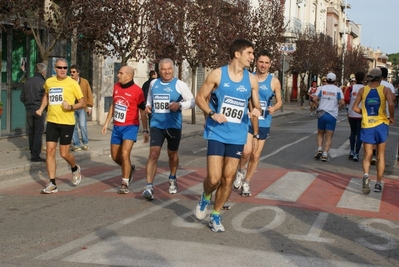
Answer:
(331, 77)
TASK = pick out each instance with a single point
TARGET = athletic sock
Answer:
(173, 177)
(214, 212)
(74, 169)
(207, 197)
(52, 181)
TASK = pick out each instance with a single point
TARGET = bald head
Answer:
(125, 74)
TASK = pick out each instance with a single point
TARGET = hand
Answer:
(174, 106)
(391, 120)
(104, 129)
(271, 109)
(65, 105)
(255, 112)
(39, 112)
(220, 118)
(146, 137)
(88, 110)
(148, 110)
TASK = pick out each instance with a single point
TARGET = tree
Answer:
(115, 29)
(190, 31)
(315, 54)
(355, 61)
(266, 28)
(48, 21)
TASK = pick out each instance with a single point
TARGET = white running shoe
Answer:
(50, 188)
(246, 191)
(172, 186)
(200, 209)
(148, 192)
(76, 177)
(215, 223)
(240, 176)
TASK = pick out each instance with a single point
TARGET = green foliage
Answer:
(394, 58)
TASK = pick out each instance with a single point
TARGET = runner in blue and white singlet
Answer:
(225, 97)
(230, 99)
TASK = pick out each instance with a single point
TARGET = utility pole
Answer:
(344, 45)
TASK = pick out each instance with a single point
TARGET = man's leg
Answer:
(83, 127)
(242, 167)
(368, 153)
(252, 165)
(75, 136)
(50, 159)
(380, 160)
(31, 132)
(151, 166)
(328, 140)
(38, 122)
(224, 189)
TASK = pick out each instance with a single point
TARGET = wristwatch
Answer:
(256, 136)
(71, 107)
(211, 113)
(179, 105)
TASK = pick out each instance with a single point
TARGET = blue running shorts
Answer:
(375, 135)
(120, 133)
(326, 122)
(216, 148)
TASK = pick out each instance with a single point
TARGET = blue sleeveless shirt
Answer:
(231, 99)
(265, 97)
(163, 93)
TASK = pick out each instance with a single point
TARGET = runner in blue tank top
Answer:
(224, 97)
(167, 97)
(269, 86)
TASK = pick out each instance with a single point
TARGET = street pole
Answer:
(344, 45)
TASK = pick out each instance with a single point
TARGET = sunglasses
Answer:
(61, 67)
(73, 71)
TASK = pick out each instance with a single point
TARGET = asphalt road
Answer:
(302, 212)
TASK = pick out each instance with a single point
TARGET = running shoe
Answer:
(172, 186)
(351, 155)
(200, 209)
(50, 188)
(373, 160)
(318, 154)
(246, 191)
(377, 188)
(132, 170)
(239, 179)
(356, 157)
(366, 185)
(324, 158)
(215, 223)
(148, 192)
(124, 189)
(76, 177)
(85, 147)
(75, 148)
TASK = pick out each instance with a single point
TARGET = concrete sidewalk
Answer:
(15, 155)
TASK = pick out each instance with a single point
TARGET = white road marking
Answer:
(279, 218)
(315, 231)
(342, 150)
(392, 241)
(102, 233)
(140, 251)
(284, 147)
(353, 198)
(289, 187)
